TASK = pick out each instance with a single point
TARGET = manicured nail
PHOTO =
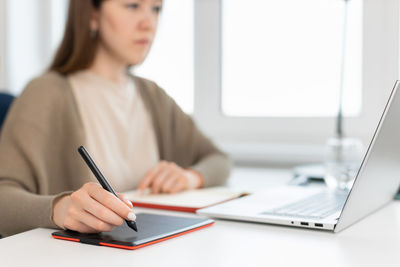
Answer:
(128, 202)
(131, 216)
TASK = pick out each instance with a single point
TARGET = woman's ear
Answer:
(94, 24)
(94, 21)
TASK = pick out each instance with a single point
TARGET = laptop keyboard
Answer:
(318, 206)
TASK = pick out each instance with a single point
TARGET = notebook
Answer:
(187, 201)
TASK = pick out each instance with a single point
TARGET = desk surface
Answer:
(375, 241)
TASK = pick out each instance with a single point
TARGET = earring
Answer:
(93, 34)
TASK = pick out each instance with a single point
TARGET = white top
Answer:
(119, 131)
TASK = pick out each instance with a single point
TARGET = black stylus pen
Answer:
(102, 180)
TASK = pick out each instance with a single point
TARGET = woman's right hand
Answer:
(92, 209)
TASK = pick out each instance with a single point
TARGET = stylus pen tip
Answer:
(132, 224)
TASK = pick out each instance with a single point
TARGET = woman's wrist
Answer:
(59, 209)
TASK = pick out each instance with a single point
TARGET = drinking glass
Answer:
(342, 160)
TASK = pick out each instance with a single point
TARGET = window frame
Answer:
(273, 139)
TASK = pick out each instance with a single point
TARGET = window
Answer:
(244, 125)
(284, 58)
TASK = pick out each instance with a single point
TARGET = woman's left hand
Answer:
(167, 177)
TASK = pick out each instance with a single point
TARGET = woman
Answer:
(136, 133)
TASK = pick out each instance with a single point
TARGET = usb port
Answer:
(318, 224)
(304, 223)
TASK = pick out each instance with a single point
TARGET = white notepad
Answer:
(188, 201)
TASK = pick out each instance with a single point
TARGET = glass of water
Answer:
(342, 160)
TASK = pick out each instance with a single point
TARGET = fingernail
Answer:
(131, 216)
(128, 202)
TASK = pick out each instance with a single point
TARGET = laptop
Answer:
(375, 185)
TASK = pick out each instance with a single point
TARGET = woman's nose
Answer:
(148, 20)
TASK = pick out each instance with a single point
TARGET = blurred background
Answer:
(260, 77)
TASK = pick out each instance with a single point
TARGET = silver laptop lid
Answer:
(378, 178)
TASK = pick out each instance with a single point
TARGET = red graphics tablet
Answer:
(152, 228)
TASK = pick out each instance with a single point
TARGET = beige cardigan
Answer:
(38, 149)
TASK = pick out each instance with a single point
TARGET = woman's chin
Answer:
(136, 61)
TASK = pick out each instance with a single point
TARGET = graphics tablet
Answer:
(152, 228)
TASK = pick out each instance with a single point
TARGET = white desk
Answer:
(375, 241)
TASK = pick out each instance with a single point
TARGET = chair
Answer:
(5, 101)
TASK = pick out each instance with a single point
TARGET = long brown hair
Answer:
(79, 44)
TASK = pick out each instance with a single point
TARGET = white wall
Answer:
(33, 31)
(3, 38)
(24, 48)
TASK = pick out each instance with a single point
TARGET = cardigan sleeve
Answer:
(22, 207)
(27, 148)
(181, 141)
